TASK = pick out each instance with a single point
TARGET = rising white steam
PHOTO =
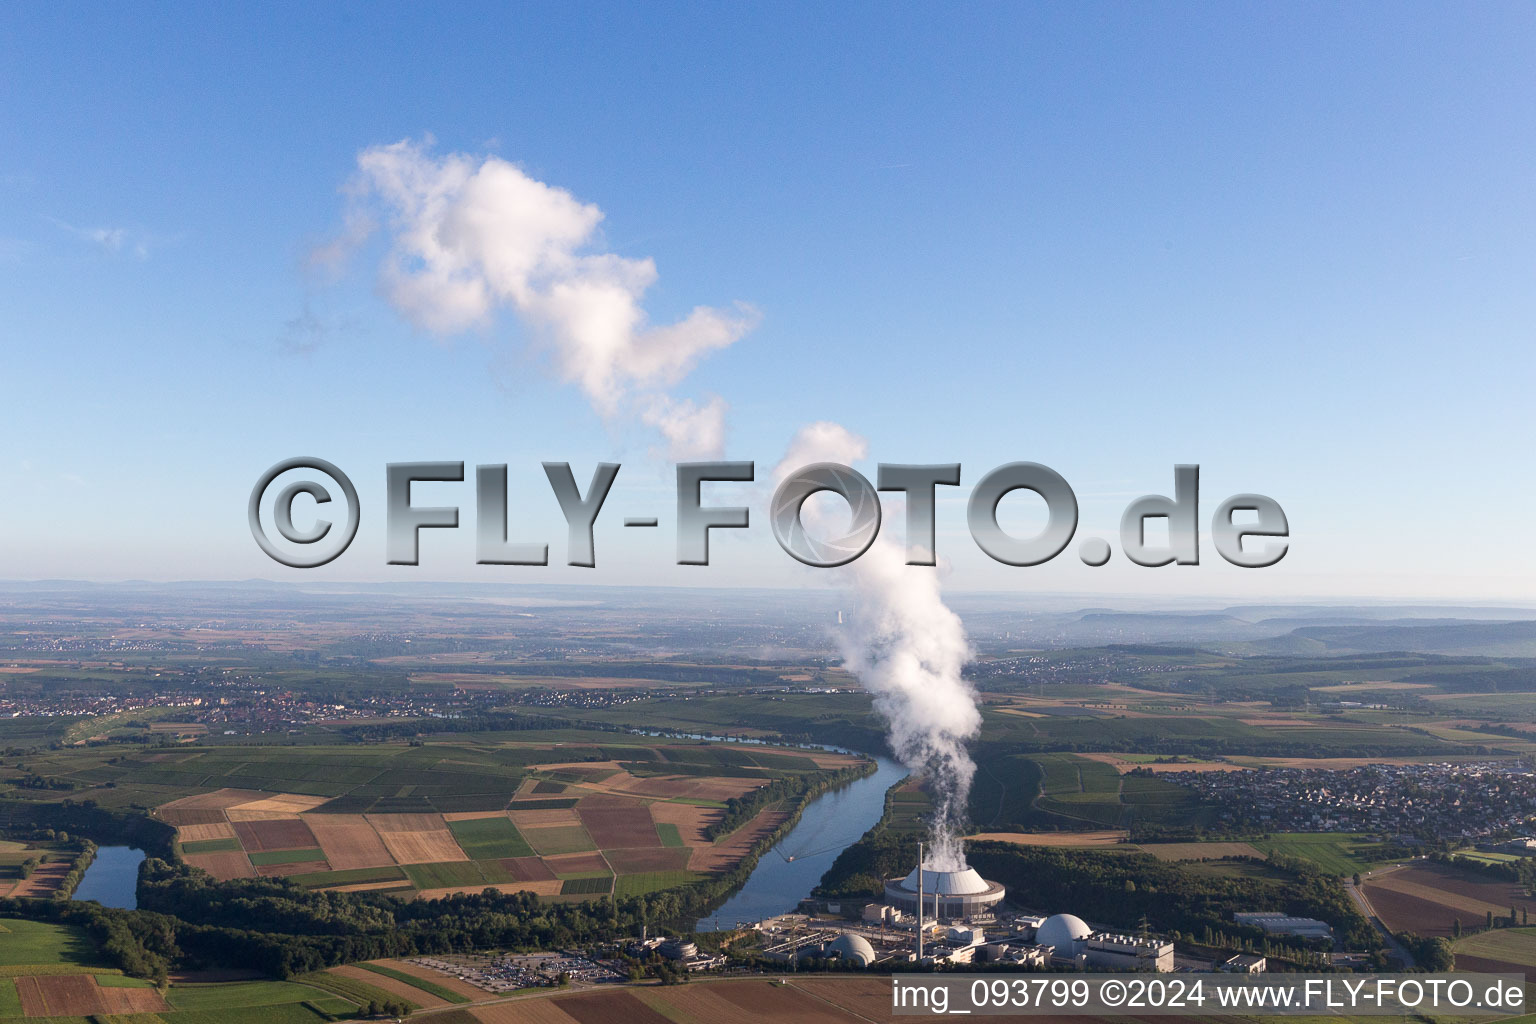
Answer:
(907, 649)
(470, 236)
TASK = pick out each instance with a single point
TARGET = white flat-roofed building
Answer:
(1284, 924)
(1128, 952)
(1245, 963)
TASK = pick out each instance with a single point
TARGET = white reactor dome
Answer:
(852, 948)
(1063, 931)
(965, 882)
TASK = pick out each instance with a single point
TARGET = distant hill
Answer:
(1493, 639)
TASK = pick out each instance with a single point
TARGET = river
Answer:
(791, 869)
(113, 877)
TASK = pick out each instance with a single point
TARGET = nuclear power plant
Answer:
(947, 896)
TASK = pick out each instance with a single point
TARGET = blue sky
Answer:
(1294, 244)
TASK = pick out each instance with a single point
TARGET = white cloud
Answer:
(112, 240)
(471, 236)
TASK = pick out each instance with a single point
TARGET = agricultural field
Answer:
(794, 1000)
(34, 868)
(1431, 898)
(1074, 792)
(53, 971)
(628, 818)
(1201, 851)
(1336, 853)
(36, 942)
(1499, 950)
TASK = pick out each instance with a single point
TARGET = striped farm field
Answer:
(80, 995)
(416, 981)
(1497, 951)
(393, 986)
(422, 847)
(349, 841)
(1430, 899)
(467, 991)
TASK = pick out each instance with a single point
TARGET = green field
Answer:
(489, 838)
(560, 839)
(1510, 945)
(352, 876)
(448, 874)
(37, 942)
(669, 834)
(10, 1000)
(230, 995)
(652, 881)
(210, 846)
(280, 1013)
(358, 992)
(1336, 853)
(1483, 857)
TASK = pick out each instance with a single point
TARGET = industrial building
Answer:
(1284, 924)
(1070, 939)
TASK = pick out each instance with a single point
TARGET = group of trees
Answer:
(1091, 883)
(82, 860)
(1432, 954)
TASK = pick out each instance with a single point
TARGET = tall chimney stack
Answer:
(919, 902)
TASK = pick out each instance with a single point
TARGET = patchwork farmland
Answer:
(632, 820)
(1431, 898)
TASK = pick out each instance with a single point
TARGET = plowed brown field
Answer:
(286, 834)
(349, 841)
(618, 824)
(78, 995)
(223, 866)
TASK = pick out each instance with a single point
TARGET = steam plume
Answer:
(469, 236)
(907, 649)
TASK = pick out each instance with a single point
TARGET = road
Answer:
(1363, 902)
